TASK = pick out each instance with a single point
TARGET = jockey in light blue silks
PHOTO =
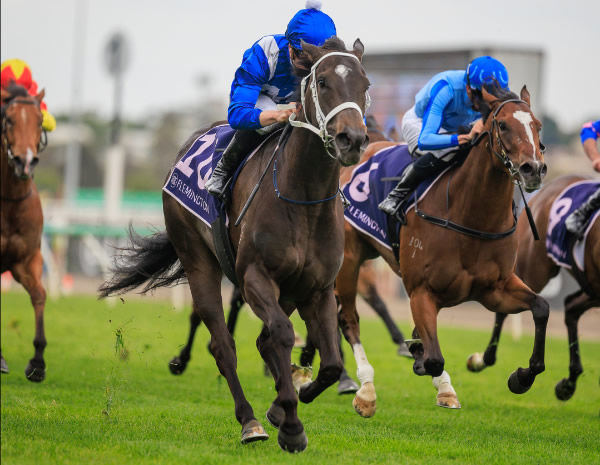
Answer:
(267, 77)
(450, 101)
(577, 221)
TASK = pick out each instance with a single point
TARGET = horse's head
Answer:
(514, 137)
(334, 98)
(22, 134)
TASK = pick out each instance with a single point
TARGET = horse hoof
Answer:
(403, 351)
(253, 431)
(365, 401)
(35, 374)
(176, 366)
(515, 385)
(475, 362)
(448, 400)
(275, 415)
(564, 389)
(3, 366)
(292, 442)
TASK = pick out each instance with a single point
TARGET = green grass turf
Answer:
(96, 408)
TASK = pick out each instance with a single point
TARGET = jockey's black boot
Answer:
(242, 142)
(423, 167)
(577, 220)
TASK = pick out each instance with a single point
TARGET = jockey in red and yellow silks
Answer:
(18, 72)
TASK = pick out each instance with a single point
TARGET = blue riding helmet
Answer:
(310, 25)
(486, 70)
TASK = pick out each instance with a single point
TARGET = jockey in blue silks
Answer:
(576, 221)
(267, 77)
(449, 102)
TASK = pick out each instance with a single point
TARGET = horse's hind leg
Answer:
(477, 362)
(368, 291)
(575, 305)
(178, 364)
(514, 297)
(30, 276)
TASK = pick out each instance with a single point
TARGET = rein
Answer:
(323, 119)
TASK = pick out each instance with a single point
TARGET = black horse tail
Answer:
(151, 260)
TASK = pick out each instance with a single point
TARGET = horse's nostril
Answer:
(343, 141)
(526, 169)
(543, 170)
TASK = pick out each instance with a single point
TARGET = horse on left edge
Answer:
(21, 214)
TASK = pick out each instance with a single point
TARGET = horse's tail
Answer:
(151, 260)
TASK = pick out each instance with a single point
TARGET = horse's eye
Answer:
(502, 125)
(321, 82)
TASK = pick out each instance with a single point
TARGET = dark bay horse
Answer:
(441, 267)
(21, 211)
(288, 249)
(536, 268)
(366, 288)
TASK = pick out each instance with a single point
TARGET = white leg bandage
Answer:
(364, 371)
(442, 383)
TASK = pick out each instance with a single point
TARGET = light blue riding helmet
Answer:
(486, 70)
(310, 25)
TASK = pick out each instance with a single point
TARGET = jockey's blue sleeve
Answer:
(590, 130)
(429, 139)
(245, 89)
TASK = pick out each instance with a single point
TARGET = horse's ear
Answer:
(359, 49)
(39, 97)
(312, 52)
(487, 97)
(525, 95)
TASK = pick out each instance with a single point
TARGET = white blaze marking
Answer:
(525, 119)
(342, 71)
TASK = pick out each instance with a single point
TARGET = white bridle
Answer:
(323, 119)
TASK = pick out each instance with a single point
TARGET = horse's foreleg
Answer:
(575, 305)
(206, 294)
(514, 297)
(427, 353)
(446, 396)
(321, 322)
(275, 345)
(424, 312)
(477, 362)
(365, 401)
(179, 363)
(30, 276)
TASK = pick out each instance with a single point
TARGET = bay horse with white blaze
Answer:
(448, 267)
(285, 259)
(536, 268)
(21, 211)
